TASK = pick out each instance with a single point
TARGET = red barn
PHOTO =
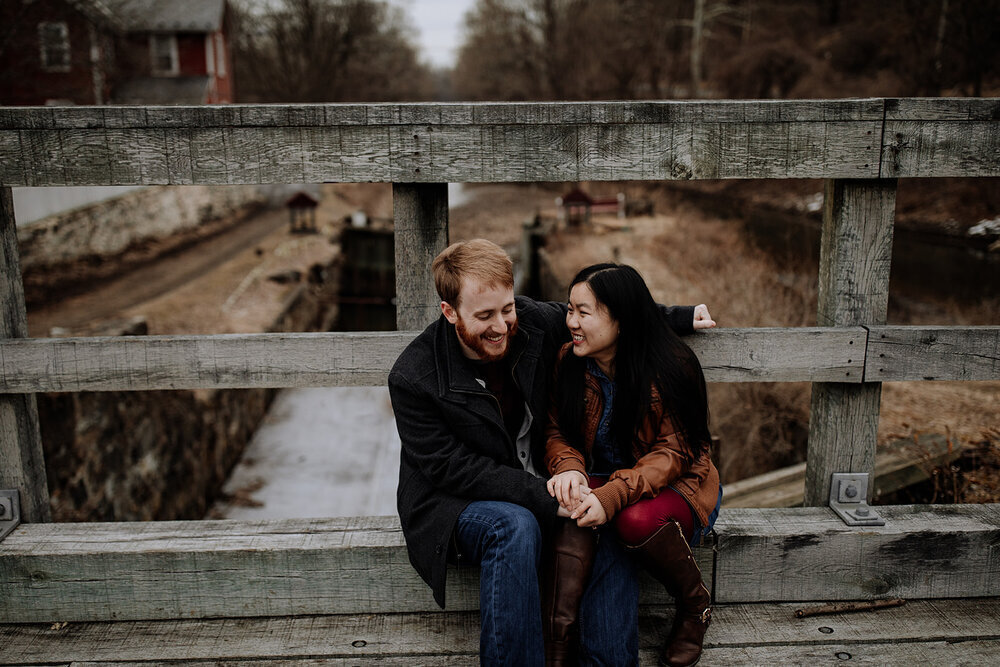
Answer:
(120, 51)
(174, 52)
(57, 51)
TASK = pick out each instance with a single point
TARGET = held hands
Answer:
(568, 488)
(702, 318)
(575, 500)
(589, 513)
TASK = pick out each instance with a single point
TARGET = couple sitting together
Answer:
(559, 447)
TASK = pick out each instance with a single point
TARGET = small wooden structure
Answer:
(343, 589)
(576, 205)
(302, 212)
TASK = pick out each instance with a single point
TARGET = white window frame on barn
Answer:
(163, 46)
(53, 46)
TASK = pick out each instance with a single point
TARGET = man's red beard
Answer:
(478, 345)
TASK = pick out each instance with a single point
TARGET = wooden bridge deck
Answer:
(939, 632)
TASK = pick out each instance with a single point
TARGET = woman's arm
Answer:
(666, 459)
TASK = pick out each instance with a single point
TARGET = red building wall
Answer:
(23, 79)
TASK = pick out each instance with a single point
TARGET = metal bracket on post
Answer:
(849, 499)
(10, 511)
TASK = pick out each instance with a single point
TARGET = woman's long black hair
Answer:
(648, 354)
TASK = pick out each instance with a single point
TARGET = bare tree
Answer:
(327, 51)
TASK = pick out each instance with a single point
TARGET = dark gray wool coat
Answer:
(455, 448)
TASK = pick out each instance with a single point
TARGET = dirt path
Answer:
(156, 278)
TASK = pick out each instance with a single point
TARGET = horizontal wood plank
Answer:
(431, 142)
(932, 353)
(923, 551)
(204, 569)
(941, 148)
(451, 638)
(499, 142)
(364, 359)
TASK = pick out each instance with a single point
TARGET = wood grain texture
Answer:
(420, 217)
(923, 551)
(855, 256)
(22, 462)
(364, 359)
(204, 569)
(932, 353)
(780, 354)
(931, 628)
(929, 148)
(495, 142)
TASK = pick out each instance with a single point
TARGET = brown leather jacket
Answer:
(662, 458)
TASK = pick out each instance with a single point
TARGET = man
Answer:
(470, 397)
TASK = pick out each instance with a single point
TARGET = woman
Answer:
(628, 443)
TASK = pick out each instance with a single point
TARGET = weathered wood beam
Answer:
(363, 359)
(923, 551)
(22, 463)
(932, 353)
(440, 143)
(855, 255)
(204, 569)
(935, 631)
(919, 137)
(420, 220)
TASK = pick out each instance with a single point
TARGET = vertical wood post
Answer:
(22, 464)
(855, 256)
(420, 216)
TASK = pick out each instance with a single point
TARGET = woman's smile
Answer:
(594, 331)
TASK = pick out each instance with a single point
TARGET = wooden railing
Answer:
(860, 146)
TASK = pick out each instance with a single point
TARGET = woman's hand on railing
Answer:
(702, 318)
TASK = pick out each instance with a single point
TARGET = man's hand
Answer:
(702, 318)
(568, 488)
(589, 513)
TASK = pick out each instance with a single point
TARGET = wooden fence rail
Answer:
(816, 354)
(491, 142)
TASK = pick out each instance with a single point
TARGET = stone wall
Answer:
(160, 455)
(68, 250)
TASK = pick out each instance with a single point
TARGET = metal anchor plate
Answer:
(849, 499)
(10, 511)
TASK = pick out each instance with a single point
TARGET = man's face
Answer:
(485, 319)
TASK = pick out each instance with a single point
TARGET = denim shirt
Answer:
(606, 458)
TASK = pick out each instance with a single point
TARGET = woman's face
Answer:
(595, 332)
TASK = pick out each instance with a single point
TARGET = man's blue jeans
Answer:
(506, 542)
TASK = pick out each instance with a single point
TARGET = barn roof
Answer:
(173, 16)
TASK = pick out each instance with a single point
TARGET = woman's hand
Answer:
(589, 513)
(568, 488)
(702, 318)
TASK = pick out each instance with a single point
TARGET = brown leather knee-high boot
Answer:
(668, 558)
(568, 563)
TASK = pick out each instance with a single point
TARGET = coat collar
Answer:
(456, 373)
